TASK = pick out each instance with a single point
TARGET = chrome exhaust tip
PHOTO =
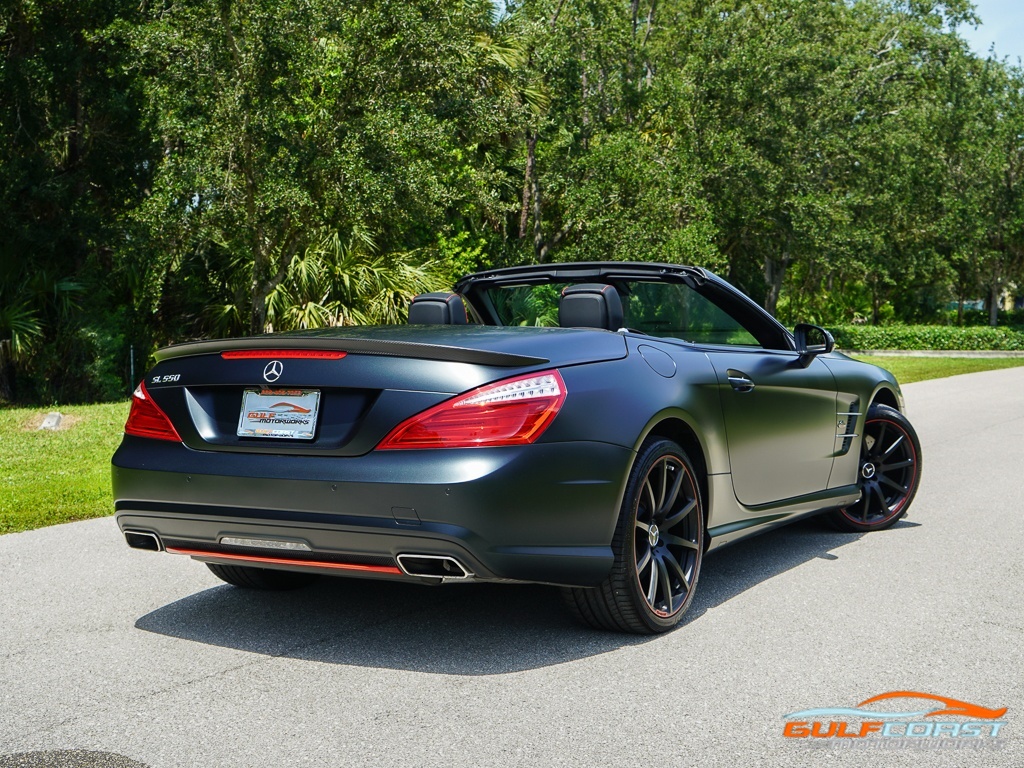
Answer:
(432, 566)
(143, 540)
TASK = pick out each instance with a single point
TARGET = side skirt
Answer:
(746, 522)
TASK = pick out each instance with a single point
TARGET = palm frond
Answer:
(335, 283)
(20, 325)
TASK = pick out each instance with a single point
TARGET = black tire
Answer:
(247, 577)
(654, 575)
(889, 473)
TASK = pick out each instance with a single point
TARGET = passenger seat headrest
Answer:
(590, 305)
(439, 308)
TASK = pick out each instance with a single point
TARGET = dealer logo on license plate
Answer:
(282, 413)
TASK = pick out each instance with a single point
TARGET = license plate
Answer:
(281, 413)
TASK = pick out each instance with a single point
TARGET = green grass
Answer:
(910, 369)
(56, 477)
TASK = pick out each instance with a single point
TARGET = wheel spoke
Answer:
(664, 485)
(643, 525)
(881, 498)
(680, 572)
(893, 484)
(897, 465)
(666, 582)
(643, 561)
(682, 514)
(893, 447)
(878, 440)
(673, 494)
(650, 495)
(652, 588)
(679, 541)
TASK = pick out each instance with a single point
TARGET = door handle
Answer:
(740, 381)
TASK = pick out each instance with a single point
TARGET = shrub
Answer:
(943, 337)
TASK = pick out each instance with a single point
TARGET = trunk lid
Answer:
(387, 374)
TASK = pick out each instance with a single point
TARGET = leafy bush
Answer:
(942, 337)
(81, 365)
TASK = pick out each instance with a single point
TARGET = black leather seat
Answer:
(439, 308)
(590, 305)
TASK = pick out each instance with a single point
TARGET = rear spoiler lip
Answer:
(383, 347)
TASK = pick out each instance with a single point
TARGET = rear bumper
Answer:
(539, 513)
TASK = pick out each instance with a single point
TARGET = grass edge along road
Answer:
(909, 369)
(48, 477)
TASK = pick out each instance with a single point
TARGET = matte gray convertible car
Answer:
(596, 426)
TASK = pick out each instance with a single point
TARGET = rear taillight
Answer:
(146, 419)
(510, 412)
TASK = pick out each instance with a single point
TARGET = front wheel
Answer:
(658, 547)
(888, 473)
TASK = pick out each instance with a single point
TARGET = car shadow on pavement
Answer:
(463, 629)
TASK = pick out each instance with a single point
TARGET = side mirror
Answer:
(811, 341)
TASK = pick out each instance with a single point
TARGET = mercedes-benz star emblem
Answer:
(273, 370)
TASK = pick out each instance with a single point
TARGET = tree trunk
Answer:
(531, 160)
(774, 276)
(876, 303)
(259, 247)
(258, 318)
(538, 229)
(993, 304)
(584, 109)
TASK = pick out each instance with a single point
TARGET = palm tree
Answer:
(334, 283)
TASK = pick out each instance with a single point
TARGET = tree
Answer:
(982, 202)
(603, 178)
(285, 120)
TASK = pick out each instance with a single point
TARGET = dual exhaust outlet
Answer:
(144, 540)
(423, 566)
(433, 566)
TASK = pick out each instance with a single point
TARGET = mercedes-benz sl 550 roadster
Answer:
(595, 426)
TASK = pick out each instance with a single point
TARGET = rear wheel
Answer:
(890, 467)
(248, 577)
(658, 548)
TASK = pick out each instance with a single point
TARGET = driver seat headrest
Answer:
(590, 305)
(439, 308)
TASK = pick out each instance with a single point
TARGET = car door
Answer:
(779, 410)
(780, 421)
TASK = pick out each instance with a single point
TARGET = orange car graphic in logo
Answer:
(953, 707)
(284, 407)
(910, 724)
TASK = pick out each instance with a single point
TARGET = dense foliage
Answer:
(172, 169)
(971, 338)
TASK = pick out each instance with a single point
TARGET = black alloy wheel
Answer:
(658, 547)
(888, 472)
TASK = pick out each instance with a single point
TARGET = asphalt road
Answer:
(106, 652)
